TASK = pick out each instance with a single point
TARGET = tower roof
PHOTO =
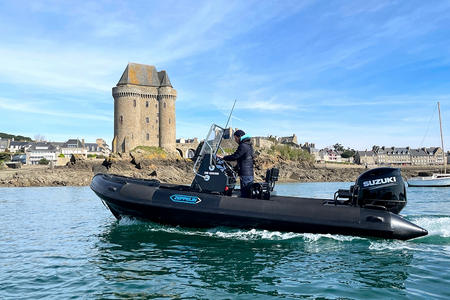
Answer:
(139, 74)
(164, 79)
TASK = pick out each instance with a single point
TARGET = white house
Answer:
(74, 146)
(15, 146)
(39, 151)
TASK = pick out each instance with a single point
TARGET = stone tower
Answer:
(144, 109)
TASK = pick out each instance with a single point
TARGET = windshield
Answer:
(211, 144)
(213, 139)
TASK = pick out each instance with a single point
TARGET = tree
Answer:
(15, 137)
(44, 161)
(348, 153)
(338, 147)
(5, 156)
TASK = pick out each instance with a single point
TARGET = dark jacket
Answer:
(244, 157)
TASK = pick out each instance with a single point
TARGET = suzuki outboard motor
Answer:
(380, 188)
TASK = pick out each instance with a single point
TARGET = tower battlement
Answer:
(144, 109)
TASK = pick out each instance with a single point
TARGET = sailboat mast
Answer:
(442, 140)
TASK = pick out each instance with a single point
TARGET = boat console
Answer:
(214, 175)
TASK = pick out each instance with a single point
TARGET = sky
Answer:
(358, 73)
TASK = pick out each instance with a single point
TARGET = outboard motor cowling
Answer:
(379, 188)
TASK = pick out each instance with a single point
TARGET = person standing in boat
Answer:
(244, 157)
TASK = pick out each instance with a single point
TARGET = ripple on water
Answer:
(62, 243)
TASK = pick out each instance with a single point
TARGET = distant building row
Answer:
(377, 156)
(400, 156)
(32, 152)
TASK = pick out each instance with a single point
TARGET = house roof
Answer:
(146, 75)
(418, 152)
(20, 144)
(76, 142)
(42, 146)
(366, 153)
(432, 150)
(396, 151)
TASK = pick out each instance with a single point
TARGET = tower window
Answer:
(156, 105)
(134, 103)
(169, 121)
(148, 136)
(156, 121)
(121, 120)
(146, 103)
(164, 104)
(147, 120)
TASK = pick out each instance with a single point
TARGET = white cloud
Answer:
(266, 105)
(19, 105)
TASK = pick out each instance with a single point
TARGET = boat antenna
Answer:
(226, 125)
(231, 112)
(442, 140)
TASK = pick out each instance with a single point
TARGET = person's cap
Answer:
(239, 133)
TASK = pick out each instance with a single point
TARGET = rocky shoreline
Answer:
(172, 170)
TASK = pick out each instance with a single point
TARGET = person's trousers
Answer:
(246, 183)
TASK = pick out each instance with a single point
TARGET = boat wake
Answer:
(438, 227)
(237, 234)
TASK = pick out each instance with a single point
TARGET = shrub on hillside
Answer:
(151, 152)
(348, 153)
(44, 161)
(289, 153)
(5, 156)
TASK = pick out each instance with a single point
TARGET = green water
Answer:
(63, 243)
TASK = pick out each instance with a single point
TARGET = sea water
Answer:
(61, 242)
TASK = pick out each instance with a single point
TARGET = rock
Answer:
(107, 163)
(99, 169)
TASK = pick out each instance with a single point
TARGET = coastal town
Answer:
(31, 152)
(55, 153)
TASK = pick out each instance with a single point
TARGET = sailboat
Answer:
(436, 179)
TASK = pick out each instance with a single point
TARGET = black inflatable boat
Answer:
(368, 208)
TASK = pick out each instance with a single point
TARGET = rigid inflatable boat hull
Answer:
(176, 205)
